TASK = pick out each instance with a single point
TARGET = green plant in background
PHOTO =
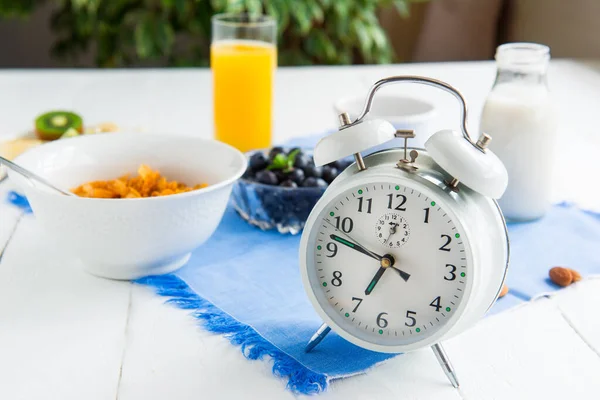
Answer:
(177, 32)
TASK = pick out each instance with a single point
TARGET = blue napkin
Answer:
(245, 283)
(567, 236)
(19, 201)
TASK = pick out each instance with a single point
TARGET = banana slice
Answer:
(12, 148)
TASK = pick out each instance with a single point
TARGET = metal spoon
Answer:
(31, 176)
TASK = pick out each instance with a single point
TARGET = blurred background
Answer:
(175, 33)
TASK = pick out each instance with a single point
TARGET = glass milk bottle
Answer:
(520, 117)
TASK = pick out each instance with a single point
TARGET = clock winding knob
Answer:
(483, 141)
(474, 166)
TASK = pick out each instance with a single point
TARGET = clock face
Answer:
(388, 264)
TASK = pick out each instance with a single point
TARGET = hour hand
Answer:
(374, 281)
(355, 246)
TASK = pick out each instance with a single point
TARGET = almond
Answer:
(561, 276)
(503, 291)
(576, 275)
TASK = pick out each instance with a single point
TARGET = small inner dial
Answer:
(392, 230)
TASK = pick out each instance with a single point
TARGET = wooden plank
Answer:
(579, 306)
(530, 352)
(169, 357)
(61, 329)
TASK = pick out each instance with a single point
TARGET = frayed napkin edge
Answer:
(253, 345)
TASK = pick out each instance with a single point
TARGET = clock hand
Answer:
(392, 231)
(363, 250)
(355, 246)
(403, 275)
(374, 281)
(386, 262)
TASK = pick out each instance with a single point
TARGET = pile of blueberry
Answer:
(263, 197)
(293, 168)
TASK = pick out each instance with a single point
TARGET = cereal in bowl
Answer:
(147, 183)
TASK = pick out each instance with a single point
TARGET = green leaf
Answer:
(379, 37)
(293, 57)
(280, 11)
(403, 8)
(166, 3)
(279, 162)
(342, 29)
(254, 7)
(315, 10)
(272, 10)
(235, 6)
(143, 38)
(344, 56)
(218, 5)
(326, 48)
(291, 158)
(364, 39)
(301, 13)
(342, 8)
(165, 36)
(180, 8)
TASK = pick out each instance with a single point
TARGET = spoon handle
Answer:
(29, 175)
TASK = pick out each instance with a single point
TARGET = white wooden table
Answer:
(68, 335)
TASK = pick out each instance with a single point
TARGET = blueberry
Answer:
(321, 183)
(249, 174)
(258, 161)
(340, 165)
(281, 176)
(314, 182)
(312, 171)
(301, 160)
(288, 183)
(329, 173)
(336, 164)
(296, 175)
(343, 164)
(266, 177)
(274, 151)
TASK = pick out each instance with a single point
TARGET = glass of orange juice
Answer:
(243, 58)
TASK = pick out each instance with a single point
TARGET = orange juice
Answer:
(243, 72)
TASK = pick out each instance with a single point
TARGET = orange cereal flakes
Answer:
(147, 183)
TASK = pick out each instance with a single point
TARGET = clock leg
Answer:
(442, 358)
(317, 337)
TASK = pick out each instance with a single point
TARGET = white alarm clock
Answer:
(405, 250)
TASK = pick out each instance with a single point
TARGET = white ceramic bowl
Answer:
(401, 111)
(131, 238)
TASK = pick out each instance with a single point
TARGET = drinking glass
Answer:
(243, 57)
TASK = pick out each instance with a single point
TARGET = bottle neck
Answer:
(511, 75)
(522, 63)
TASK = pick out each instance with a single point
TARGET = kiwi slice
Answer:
(52, 125)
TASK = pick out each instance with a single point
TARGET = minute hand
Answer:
(355, 246)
